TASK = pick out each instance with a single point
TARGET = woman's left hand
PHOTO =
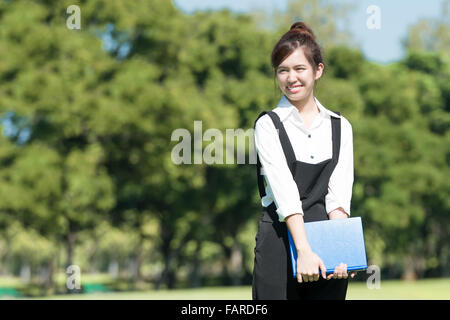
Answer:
(340, 272)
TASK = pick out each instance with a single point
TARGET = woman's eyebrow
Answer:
(298, 65)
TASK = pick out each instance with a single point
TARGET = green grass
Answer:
(429, 289)
(389, 290)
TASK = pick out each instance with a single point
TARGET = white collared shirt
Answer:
(311, 145)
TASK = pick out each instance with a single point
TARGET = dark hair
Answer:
(298, 36)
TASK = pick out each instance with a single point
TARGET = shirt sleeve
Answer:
(341, 181)
(275, 169)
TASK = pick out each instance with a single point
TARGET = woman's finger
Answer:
(323, 269)
(340, 268)
(340, 271)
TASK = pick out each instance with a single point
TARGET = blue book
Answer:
(334, 241)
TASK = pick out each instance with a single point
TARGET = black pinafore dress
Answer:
(272, 274)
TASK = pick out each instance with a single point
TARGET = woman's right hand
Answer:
(308, 265)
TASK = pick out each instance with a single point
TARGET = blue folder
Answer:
(334, 241)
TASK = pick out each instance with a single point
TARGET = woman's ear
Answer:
(319, 71)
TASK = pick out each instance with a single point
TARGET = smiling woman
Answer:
(297, 62)
(306, 152)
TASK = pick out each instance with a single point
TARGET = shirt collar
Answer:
(285, 109)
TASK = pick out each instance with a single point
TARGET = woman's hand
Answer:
(340, 272)
(308, 265)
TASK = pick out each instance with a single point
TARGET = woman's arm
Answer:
(308, 263)
(275, 168)
(286, 197)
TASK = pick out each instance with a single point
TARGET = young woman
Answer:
(305, 152)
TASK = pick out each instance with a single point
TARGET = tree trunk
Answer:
(167, 236)
(25, 273)
(225, 266)
(236, 264)
(195, 273)
(113, 269)
(71, 238)
(171, 257)
(166, 273)
(48, 276)
(132, 268)
(140, 255)
(409, 272)
(139, 261)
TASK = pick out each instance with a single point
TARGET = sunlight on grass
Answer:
(392, 289)
(402, 290)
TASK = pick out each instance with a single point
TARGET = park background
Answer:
(86, 119)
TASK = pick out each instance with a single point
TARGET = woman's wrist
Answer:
(305, 249)
(338, 213)
(296, 226)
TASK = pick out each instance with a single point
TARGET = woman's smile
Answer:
(294, 88)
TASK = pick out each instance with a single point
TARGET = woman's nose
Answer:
(291, 77)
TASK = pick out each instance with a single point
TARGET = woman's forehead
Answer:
(297, 57)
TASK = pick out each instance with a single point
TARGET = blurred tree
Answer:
(328, 20)
(432, 35)
(343, 62)
(57, 176)
(397, 179)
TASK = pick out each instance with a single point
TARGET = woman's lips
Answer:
(294, 89)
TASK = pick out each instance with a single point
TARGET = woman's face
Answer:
(296, 76)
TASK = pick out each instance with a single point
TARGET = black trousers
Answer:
(272, 274)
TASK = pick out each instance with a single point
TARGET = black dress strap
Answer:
(289, 151)
(336, 132)
(262, 191)
(284, 140)
(285, 144)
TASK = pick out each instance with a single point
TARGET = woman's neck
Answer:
(307, 106)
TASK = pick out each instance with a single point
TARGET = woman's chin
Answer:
(295, 96)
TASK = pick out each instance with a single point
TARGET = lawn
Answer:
(392, 289)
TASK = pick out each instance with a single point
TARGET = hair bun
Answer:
(301, 27)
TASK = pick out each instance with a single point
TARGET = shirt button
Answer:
(309, 136)
(312, 157)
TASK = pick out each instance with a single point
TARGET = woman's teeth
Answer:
(294, 89)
